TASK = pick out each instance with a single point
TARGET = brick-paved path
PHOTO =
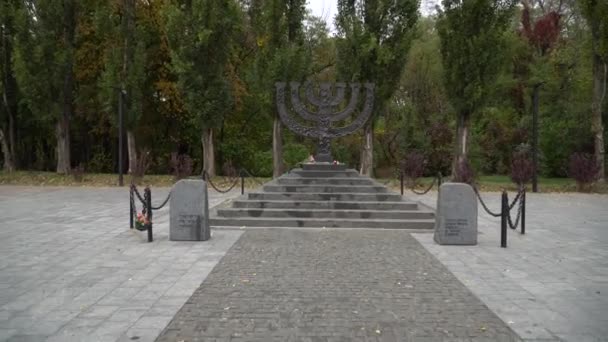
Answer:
(328, 285)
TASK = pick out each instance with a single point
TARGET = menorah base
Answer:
(324, 158)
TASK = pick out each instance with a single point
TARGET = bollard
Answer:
(242, 185)
(401, 179)
(504, 211)
(131, 209)
(149, 213)
(523, 211)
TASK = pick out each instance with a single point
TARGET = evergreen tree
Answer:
(44, 62)
(596, 13)
(201, 36)
(472, 34)
(8, 84)
(125, 62)
(374, 39)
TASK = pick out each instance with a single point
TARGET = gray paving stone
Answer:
(554, 276)
(327, 284)
(77, 254)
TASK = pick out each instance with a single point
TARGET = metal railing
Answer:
(146, 212)
(505, 212)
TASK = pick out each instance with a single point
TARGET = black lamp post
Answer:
(121, 93)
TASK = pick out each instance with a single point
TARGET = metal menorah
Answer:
(326, 100)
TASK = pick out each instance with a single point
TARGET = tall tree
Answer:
(596, 13)
(374, 39)
(44, 63)
(201, 36)
(8, 84)
(125, 62)
(541, 35)
(472, 46)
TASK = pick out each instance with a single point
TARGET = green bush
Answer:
(294, 154)
(262, 164)
(100, 163)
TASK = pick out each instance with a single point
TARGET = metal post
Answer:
(242, 185)
(523, 211)
(149, 213)
(504, 211)
(131, 208)
(120, 142)
(535, 94)
(401, 180)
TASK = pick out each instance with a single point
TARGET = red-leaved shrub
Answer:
(584, 169)
(464, 172)
(413, 166)
(522, 168)
(181, 165)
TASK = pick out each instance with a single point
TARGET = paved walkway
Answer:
(71, 270)
(550, 284)
(332, 285)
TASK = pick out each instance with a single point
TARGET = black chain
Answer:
(134, 212)
(134, 188)
(483, 204)
(519, 208)
(515, 199)
(164, 203)
(249, 175)
(208, 179)
(425, 191)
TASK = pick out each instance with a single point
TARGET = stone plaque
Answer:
(189, 211)
(456, 221)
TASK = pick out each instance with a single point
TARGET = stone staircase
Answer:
(324, 196)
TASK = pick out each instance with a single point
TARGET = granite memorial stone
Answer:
(189, 211)
(456, 219)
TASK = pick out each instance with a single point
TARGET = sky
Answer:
(327, 9)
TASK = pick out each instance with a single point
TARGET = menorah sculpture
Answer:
(326, 102)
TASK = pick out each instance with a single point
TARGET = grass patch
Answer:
(35, 178)
(486, 183)
(498, 183)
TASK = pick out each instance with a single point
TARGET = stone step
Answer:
(386, 205)
(324, 181)
(324, 174)
(324, 167)
(294, 196)
(326, 188)
(321, 223)
(326, 213)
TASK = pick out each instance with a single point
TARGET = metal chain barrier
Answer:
(222, 191)
(518, 199)
(134, 189)
(249, 175)
(147, 208)
(425, 191)
(164, 203)
(483, 204)
(515, 199)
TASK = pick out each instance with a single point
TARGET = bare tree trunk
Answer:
(208, 152)
(10, 144)
(131, 151)
(62, 134)
(9, 166)
(277, 148)
(600, 71)
(462, 143)
(63, 124)
(367, 150)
